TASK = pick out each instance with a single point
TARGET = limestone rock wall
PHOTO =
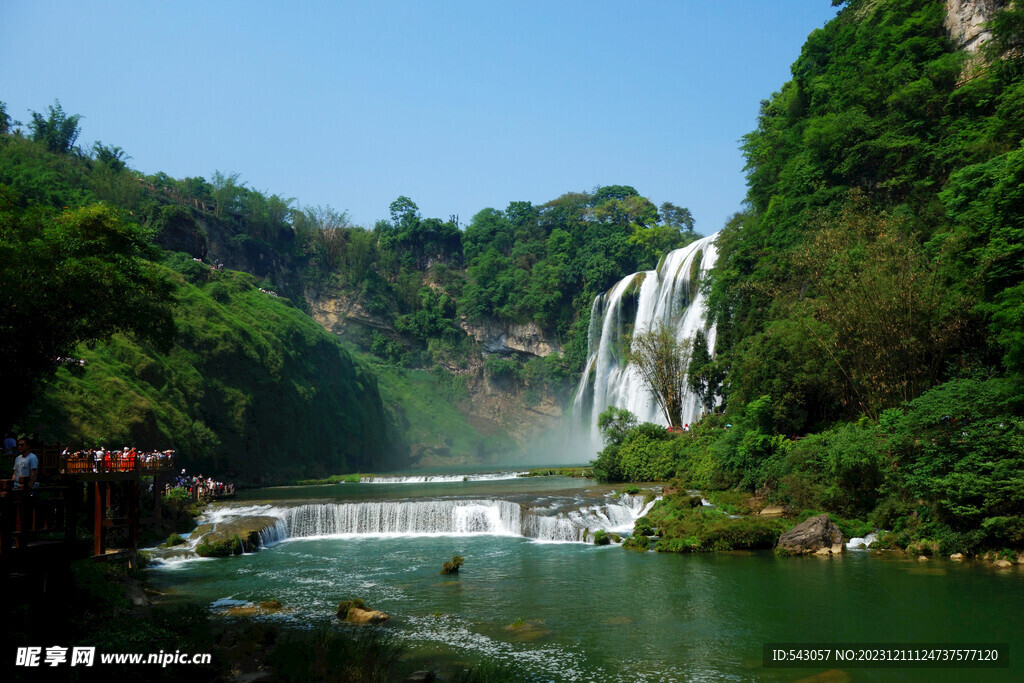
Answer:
(965, 21)
(505, 338)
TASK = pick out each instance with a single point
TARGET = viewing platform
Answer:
(78, 495)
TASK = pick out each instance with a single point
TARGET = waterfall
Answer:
(451, 518)
(638, 302)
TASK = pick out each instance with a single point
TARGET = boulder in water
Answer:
(232, 537)
(356, 612)
(366, 616)
(957, 557)
(816, 535)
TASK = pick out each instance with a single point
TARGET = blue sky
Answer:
(458, 105)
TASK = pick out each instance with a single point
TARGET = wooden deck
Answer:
(42, 529)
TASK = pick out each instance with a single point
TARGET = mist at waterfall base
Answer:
(533, 593)
(669, 294)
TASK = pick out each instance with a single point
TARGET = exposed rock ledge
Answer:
(965, 21)
(248, 530)
(498, 337)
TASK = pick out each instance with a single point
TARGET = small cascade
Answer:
(862, 543)
(669, 295)
(440, 478)
(273, 535)
(449, 518)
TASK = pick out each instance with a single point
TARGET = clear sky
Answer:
(457, 105)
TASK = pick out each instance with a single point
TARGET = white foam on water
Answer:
(862, 543)
(441, 518)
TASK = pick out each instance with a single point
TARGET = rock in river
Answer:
(815, 535)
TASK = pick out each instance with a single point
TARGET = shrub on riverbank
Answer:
(575, 472)
(326, 653)
(684, 528)
(225, 548)
(944, 467)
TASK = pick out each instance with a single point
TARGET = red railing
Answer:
(115, 462)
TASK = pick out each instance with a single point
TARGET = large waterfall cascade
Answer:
(666, 295)
(565, 522)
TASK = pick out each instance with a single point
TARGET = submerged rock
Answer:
(358, 615)
(250, 610)
(356, 612)
(816, 535)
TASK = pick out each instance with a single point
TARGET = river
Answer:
(531, 592)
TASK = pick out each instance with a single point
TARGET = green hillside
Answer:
(252, 389)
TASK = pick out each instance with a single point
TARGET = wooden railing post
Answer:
(97, 522)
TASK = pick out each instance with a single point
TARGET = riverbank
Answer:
(111, 608)
(684, 521)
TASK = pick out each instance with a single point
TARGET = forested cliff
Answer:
(870, 296)
(216, 354)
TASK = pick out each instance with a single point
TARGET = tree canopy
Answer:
(661, 359)
(66, 278)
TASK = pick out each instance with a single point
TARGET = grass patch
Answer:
(683, 527)
(575, 472)
(333, 479)
(732, 502)
(423, 405)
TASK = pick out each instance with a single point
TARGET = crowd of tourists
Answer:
(103, 460)
(200, 486)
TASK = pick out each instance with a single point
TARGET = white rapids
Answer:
(453, 517)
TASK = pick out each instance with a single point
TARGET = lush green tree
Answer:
(57, 130)
(330, 232)
(5, 119)
(703, 376)
(68, 278)
(894, 316)
(959, 447)
(614, 423)
(113, 157)
(676, 216)
(661, 359)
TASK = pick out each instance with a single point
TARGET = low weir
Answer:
(446, 517)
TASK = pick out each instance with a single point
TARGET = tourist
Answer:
(26, 466)
(10, 443)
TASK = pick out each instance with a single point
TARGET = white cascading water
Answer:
(665, 295)
(449, 518)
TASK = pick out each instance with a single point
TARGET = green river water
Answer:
(574, 611)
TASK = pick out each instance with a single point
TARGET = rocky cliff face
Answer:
(965, 21)
(505, 338)
(492, 406)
